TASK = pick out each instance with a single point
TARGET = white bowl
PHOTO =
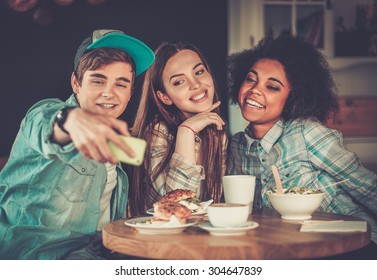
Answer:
(226, 215)
(296, 206)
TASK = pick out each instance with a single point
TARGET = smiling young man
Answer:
(62, 184)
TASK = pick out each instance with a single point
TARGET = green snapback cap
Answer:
(142, 55)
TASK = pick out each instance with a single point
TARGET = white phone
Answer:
(137, 144)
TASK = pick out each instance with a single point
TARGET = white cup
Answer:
(227, 215)
(239, 189)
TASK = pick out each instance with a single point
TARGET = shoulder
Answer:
(49, 102)
(313, 130)
(308, 125)
(160, 127)
(238, 142)
(160, 131)
(45, 108)
(238, 138)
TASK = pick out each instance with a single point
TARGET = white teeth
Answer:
(198, 97)
(107, 106)
(254, 103)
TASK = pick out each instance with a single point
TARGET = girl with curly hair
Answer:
(286, 92)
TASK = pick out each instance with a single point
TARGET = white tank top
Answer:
(111, 181)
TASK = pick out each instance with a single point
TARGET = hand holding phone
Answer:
(137, 144)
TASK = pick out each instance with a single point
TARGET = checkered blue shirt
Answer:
(307, 154)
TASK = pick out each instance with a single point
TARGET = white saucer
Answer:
(229, 231)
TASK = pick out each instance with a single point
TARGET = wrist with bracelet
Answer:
(186, 126)
(61, 117)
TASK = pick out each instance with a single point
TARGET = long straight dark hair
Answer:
(151, 112)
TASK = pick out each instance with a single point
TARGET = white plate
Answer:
(201, 212)
(140, 225)
(229, 231)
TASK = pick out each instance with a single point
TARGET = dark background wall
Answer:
(36, 61)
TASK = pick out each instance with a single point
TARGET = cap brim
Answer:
(142, 55)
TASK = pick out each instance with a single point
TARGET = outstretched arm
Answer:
(90, 133)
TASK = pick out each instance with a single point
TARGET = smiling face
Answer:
(106, 90)
(188, 83)
(263, 94)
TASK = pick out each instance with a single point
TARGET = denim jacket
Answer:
(49, 194)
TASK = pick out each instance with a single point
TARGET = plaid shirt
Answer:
(307, 154)
(181, 172)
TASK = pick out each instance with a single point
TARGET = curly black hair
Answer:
(313, 91)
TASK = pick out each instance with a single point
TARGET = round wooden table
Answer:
(274, 238)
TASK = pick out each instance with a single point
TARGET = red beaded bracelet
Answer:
(183, 125)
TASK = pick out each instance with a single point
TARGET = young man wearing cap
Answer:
(62, 184)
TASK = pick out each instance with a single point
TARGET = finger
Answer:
(214, 106)
(121, 127)
(118, 141)
(220, 119)
(88, 150)
(93, 151)
(97, 155)
(218, 124)
(84, 151)
(217, 117)
(217, 121)
(105, 152)
(87, 144)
